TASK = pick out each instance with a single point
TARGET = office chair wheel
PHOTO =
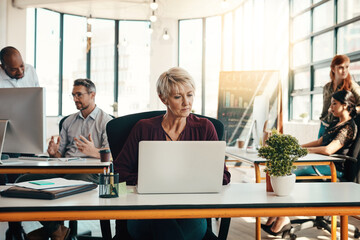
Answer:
(293, 237)
(356, 233)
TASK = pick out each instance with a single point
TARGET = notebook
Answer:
(180, 166)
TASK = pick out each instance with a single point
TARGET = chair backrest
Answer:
(118, 129)
(61, 122)
(352, 166)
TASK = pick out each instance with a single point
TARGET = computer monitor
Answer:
(22, 120)
(260, 116)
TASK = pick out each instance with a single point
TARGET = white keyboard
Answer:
(37, 158)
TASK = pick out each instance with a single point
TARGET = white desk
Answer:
(89, 165)
(310, 159)
(235, 200)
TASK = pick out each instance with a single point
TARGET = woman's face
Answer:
(336, 107)
(180, 100)
(341, 71)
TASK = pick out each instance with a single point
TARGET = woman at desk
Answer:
(337, 138)
(176, 89)
(340, 80)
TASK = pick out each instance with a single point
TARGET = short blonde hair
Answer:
(171, 79)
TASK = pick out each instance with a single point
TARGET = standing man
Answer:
(83, 134)
(14, 72)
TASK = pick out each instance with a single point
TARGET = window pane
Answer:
(355, 70)
(301, 26)
(212, 67)
(228, 31)
(323, 46)
(74, 64)
(317, 106)
(322, 76)
(47, 65)
(302, 80)
(323, 16)
(301, 104)
(190, 54)
(102, 62)
(299, 5)
(238, 51)
(134, 67)
(301, 53)
(348, 9)
(349, 38)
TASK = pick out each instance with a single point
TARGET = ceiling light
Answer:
(154, 5)
(153, 18)
(166, 35)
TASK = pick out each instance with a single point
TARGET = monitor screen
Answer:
(24, 110)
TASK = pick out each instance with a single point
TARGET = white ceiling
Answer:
(133, 9)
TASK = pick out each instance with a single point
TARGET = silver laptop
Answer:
(181, 166)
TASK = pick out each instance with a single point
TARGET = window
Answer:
(348, 9)
(323, 16)
(190, 54)
(312, 53)
(74, 54)
(212, 65)
(134, 67)
(349, 38)
(60, 61)
(48, 40)
(301, 26)
(102, 62)
(323, 46)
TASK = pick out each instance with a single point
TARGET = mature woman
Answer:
(175, 89)
(340, 80)
(337, 138)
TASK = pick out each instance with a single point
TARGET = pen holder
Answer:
(109, 185)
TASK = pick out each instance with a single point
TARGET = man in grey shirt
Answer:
(83, 134)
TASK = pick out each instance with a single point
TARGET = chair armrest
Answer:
(344, 157)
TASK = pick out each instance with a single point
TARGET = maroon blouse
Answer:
(196, 129)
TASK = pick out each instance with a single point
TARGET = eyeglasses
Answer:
(77, 95)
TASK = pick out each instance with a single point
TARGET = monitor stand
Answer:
(252, 131)
(3, 125)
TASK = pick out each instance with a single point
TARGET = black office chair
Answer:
(351, 173)
(117, 131)
(73, 224)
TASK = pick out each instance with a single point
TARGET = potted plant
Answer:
(281, 151)
(305, 117)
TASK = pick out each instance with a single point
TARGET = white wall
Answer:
(13, 27)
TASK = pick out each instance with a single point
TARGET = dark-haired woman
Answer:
(337, 138)
(340, 80)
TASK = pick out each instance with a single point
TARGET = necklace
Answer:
(170, 137)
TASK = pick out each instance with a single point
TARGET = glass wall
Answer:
(190, 54)
(134, 67)
(313, 48)
(74, 54)
(65, 53)
(47, 57)
(102, 62)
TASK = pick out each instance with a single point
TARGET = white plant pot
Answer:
(283, 185)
